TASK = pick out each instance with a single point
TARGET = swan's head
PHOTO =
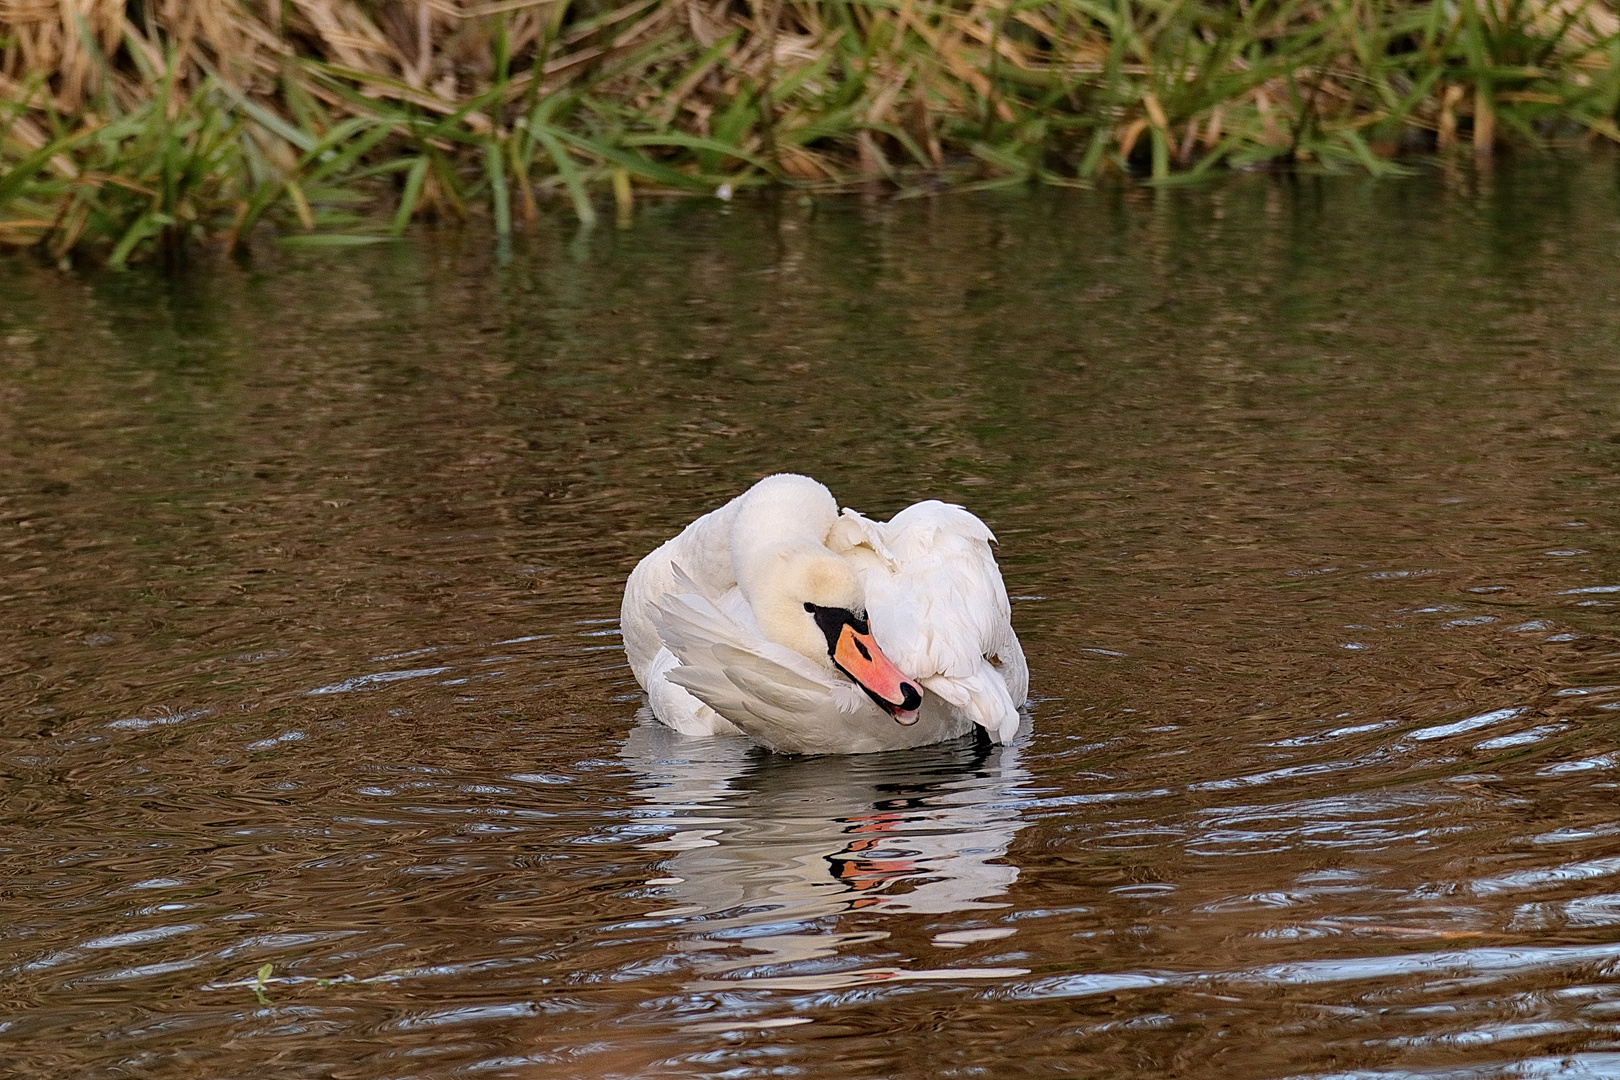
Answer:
(810, 600)
(855, 652)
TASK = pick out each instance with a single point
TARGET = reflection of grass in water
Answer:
(127, 135)
(120, 136)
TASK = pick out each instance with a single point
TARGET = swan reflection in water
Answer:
(764, 849)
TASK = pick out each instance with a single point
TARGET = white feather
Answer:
(848, 697)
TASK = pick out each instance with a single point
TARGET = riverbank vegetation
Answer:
(131, 128)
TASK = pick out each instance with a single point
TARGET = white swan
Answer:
(815, 633)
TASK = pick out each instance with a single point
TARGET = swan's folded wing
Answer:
(676, 707)
(747, 692)
(943, 608)
(942, 613)
(1014, 669)
(741, 676)
(688, 620)
(690, 625)
(986, 697)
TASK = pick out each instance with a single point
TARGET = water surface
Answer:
(309, 577)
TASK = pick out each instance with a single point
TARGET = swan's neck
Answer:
(781, 561)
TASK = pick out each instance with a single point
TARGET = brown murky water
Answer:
(309, 574)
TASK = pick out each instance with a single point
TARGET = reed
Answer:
(131, 128)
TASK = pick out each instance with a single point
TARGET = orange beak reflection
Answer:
(857, 655)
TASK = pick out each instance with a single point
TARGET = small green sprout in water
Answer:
(259, 982)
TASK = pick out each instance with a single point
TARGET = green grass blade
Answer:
(148, 224)
(409, 197)
(570, 174)
(495, 168)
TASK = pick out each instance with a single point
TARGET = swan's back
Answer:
(940, 611)
(703, 557)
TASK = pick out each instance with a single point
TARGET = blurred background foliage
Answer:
(133, 128)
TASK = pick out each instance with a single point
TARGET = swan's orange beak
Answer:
(858, 656)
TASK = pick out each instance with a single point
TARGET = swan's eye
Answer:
(811, 608)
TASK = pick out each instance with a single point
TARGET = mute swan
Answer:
(815, 633)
